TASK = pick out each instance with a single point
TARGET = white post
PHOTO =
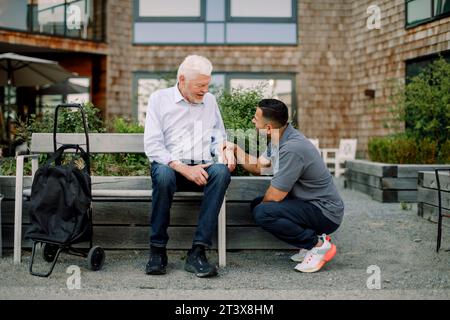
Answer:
(222, 237)
(34, 166)
(18, 211)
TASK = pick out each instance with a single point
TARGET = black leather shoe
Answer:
(157, 263)
(197, 263)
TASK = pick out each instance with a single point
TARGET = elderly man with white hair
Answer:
(184, 141)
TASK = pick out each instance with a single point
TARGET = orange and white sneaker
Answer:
(301, 254)
(317, 257)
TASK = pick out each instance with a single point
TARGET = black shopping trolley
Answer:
(61, 203)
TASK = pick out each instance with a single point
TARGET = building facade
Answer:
(329, 60)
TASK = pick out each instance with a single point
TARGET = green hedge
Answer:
(407, 150)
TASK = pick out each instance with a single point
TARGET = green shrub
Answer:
(427, 103)
(423, 105)
(444, 153)
(120, 125)
(380, 149)
(238, 107)
(68, 121)
(403, 149)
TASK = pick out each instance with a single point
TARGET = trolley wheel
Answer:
(49, 252)
(96, 258)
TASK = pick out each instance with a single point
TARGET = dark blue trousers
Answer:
(166, 181)
(292, 220)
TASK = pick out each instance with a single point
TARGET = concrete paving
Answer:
(374, 239)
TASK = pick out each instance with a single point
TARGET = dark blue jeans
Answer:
(292, 220)
(166, 181)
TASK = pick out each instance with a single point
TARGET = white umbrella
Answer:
(22, 71)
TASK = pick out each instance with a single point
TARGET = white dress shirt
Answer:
(178, 130)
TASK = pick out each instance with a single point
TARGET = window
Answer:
(144, 84)
(421, 11)
(248, 9)
(73, 90)
(215, 22)
(82, 19)
(13, 14)
(278, 86)
(170, 8)
(441, 7)
(415, 66)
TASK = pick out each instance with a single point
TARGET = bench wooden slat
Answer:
(98, 142)
(130, 194)
(183, 213)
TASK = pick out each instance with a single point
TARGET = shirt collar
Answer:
(177, 94)
(286, 134)
(179, 97)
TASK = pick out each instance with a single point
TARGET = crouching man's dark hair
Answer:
(274, 111)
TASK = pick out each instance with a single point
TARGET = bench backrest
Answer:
(98, 142)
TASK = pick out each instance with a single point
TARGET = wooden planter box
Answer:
(125, 225)
(385, 182)
(428, 204)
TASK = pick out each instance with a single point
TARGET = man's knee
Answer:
(220, 172)
(163, 176)
(262, 213)
(255, 202)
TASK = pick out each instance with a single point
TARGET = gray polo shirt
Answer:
(299, 169)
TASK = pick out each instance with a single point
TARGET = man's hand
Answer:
(226, 155)
(196, 174)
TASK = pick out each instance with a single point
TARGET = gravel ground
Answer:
(398, 242)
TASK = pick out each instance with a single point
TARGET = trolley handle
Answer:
(83, 115)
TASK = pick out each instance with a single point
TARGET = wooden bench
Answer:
(100, 143)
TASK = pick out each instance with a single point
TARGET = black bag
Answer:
(61, 201)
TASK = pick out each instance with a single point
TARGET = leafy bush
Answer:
(238, 107)
(444, 153)
(405, 150)
(423, 105)
(427, 103)
(68, 121)
(120, 125)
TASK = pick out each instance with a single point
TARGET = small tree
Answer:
(423, 106)
(427, 103)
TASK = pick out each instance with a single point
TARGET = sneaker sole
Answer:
(191, 269)
(295, 257)
(327, 258)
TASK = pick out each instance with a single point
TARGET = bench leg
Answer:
(18, 212)
(222, 235)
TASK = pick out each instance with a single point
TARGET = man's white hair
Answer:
(194, 65)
